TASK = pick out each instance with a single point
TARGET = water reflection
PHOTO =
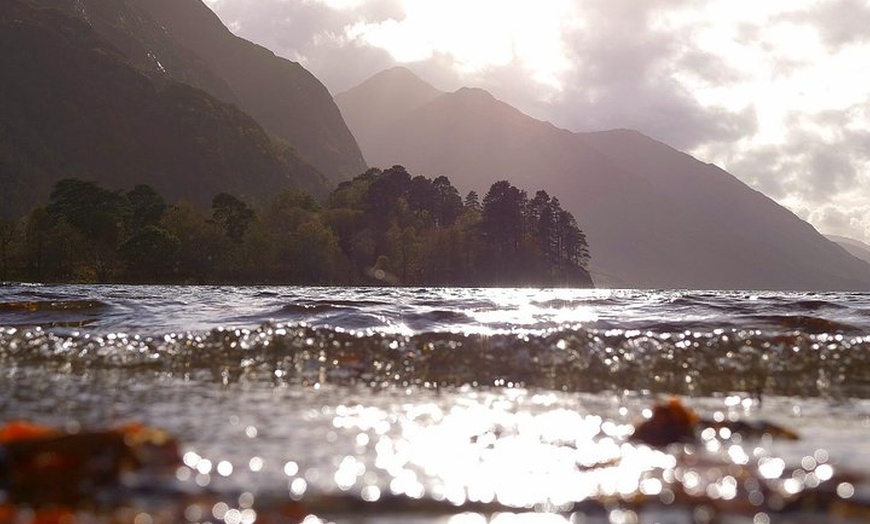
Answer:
(491, 453)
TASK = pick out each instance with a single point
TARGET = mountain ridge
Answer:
(282, 95)
(855, 247)
(186, 41)
(72, 105)
(654, 216)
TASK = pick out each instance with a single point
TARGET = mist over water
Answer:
(451, 396)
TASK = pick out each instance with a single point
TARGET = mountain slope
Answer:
(654, 217)
(281, 95)
(145, 43)
(71, 105)
(186, 41)
(855, 247)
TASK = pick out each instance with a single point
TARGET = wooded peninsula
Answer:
(384, 227)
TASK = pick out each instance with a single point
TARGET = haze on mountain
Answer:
(855, 247)
(146, 91)
(654, 217)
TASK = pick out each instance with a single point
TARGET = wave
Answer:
(32, 306)
(797, 364)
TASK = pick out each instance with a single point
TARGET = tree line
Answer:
(383, 227)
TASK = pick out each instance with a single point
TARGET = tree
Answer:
(472, 201)
(97, 214)
(382, 225)
(542, 224)
(36, 231)
(233, 216)
(573, 248)
(502, 220)
(8, 233)
(201, 246)
(404, 253)
(448, 203)
(150, 253)
(384, 194)
(93, 210)
(146, 207)
(421, 196)
(316, 257)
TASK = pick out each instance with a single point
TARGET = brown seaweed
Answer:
(42, 466)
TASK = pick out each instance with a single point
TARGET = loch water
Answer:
(454, 405)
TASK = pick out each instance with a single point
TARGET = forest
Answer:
(384, 227)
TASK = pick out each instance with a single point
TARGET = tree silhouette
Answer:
(382, 227)
(448, 203)
(8, 232)
(472, 201)
(94, 211)
(232, 215)
(384, 194)
(146, 207)
(97, 214)
(502, 221)
(150, 253)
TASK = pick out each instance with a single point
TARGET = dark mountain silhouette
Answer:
(185, 40)
(72, 105)
(281, 95)
(145, 42)
(654, 217)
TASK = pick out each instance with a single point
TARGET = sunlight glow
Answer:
(478, 35)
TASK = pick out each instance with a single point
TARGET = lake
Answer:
(454, 406)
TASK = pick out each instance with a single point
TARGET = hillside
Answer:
(72, 105)
(855, 247)
(654, 217)
(281, 95)
(185, 40)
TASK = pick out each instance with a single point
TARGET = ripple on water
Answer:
(700, 363)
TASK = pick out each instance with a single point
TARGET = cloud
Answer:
(820, 169)
(628, 74)
(840, 22)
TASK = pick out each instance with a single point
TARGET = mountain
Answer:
(73, 105)
(374, 105)
(654, 217)
(186, 41)
(281, 95)
(855, 247)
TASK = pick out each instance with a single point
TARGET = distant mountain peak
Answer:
(399, 81)
(478, 98)
(476, 92)
(399, 74)
(378, 101)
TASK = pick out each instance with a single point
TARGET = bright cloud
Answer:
(776, 92)
(478, 35)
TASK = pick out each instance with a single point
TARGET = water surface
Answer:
(455, 405)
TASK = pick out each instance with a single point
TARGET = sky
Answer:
(775, 92)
